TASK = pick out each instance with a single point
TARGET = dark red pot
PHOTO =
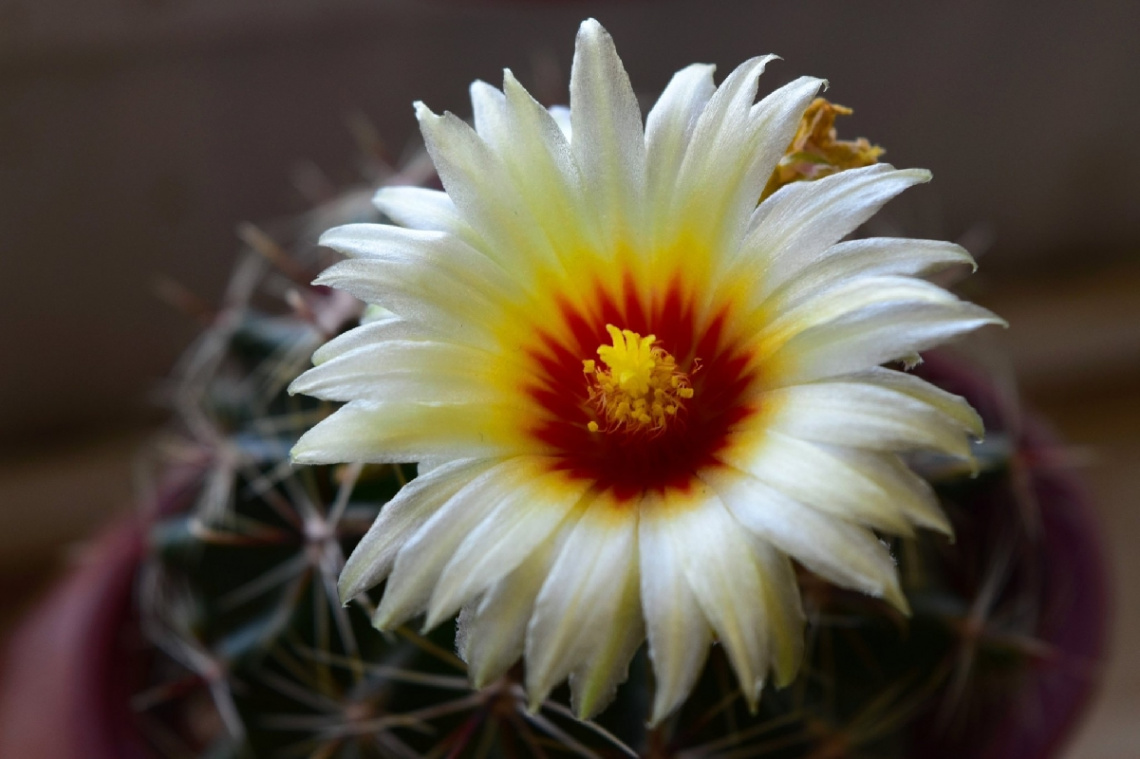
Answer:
(67, 685)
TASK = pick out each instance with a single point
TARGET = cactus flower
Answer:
(634, 393)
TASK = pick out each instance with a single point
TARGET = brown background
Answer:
(136, 134)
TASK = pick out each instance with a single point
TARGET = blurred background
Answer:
(136, 135)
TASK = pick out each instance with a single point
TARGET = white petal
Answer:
(850, 345)
(429, 210)
(818, 477)
(679, 635)
(588, 611)
(503, 539)
(719, 565)
(799, 221)
(492, 630)
(385, 328)
(439, 304)
(436, 252)
(542, 163)
(483, 191)
(953, 406)
(422, 558)
(875, 256)
(840, 552)
(595, 679)
(608, 139)
(488, 110)
(854, 298)
(913, 495)
(669, 126)
(864, 416)
(785, 610)
(733, 150)
(561, 116)
(427, 277)
(411, 371)
(399, 519)
(388, 433)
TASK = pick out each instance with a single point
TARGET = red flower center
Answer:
(664, 449)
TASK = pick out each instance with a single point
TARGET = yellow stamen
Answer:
(640, 387)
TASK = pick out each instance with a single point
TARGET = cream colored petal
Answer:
(679, 635)
(445, 306)
(785, 610)
(482, 189)
(492, 630)
(543, 165)
(801, 220)
(851, 298)
(668, 127)
(429, 210)
(561, 116)
(876, 336)
(438, 253)
(412, 371)
(818, 477)
(721, 570)
(399, 519)
(385, 328)
(859, 415)
(733, 150)
(953, 406)
(913, 495)
(608, 138)
(836, 550)
(386, 433)
(588, 610)
(429, 278)
(876, 256)
(504, 538)
(595, 680)
(424, 555)
(488, 110)
(864, 298)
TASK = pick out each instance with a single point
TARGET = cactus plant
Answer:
(249, 651)
(252, 654)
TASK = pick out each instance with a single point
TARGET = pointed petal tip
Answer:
(383, 619)
(752, 695)
(784, 678)
(326, 240)
(664, 705)
(298, 454)
(893, 594)
(941, 525)
(424, 114)
(326, 279)
(590, 27)
(437, 613)
(921, 176)
(479, 87)
(534, 702)
(304, 452)
(346, 590)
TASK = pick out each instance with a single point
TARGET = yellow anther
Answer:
(638, 387)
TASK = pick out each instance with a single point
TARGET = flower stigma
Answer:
(639, 387)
